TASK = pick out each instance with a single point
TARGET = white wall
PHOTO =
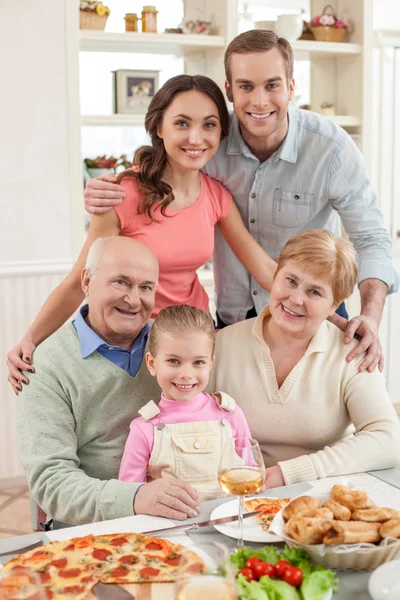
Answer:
(35, 228)
(386, 14)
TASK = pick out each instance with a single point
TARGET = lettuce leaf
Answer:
(268, 554)
(277, 589)
(250, 590)
(297, 557)
(315, 585)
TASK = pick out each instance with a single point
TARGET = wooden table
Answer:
(352, 586)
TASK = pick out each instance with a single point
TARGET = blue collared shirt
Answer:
(90, 342)
(316, 176)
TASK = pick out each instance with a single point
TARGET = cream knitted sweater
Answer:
(306, 426)
(72, 423)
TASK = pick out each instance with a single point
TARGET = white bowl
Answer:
(384, 583)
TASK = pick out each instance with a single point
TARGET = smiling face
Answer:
(260, 94)
(182, 363)
(299, 301)
(121, 291)
(190, 130)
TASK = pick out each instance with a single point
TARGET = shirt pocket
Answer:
(196, 456)
(292, 209)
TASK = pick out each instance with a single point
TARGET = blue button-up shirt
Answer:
(316, 175)
(90, 342)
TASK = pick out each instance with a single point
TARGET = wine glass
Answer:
(21, 582)
(213, 578)
(241, 472)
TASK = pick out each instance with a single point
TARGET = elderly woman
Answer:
(287, 369)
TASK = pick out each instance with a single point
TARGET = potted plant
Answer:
(93, 14)
(328, 27)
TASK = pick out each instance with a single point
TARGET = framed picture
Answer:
(133, 90)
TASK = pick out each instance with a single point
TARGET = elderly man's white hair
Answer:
(94, 255)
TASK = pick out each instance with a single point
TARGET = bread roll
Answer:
(391, 528)
(307, 530)
(352, 532)
(353, 499)
(340, 512)
(374, 514)
(300, 503)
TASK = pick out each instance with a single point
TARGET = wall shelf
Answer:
(159, 43)
(302, 48)
(345, 120)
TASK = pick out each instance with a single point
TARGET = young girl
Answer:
(186, 434)
(170, 206)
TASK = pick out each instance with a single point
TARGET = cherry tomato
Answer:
(248, 574)
(263, 568)
(280, 566)
(252, 562)
(293, 576)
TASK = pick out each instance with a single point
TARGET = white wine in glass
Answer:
(211, 587)
(242, 473)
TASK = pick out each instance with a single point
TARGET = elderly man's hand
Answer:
(167, 497)
(273, 477)
(366, 328)
(20, 359)
(102, 193)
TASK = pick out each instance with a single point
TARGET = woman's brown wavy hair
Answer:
(151, 161)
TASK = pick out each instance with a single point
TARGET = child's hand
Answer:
(167, 497)
(274, 477)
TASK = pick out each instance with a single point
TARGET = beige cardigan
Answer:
(306, 426)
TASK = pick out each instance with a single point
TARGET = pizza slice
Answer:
(269, 507)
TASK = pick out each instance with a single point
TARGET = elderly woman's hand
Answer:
(273, 478)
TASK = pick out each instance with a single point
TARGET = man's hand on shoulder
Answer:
(368, 330)
(167, 497)
(20, 359)
(102, 193)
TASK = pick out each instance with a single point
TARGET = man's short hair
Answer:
(94, 256)
(259, 40)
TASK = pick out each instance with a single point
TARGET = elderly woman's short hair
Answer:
(323, 254)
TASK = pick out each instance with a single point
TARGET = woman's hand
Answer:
(20, 359)
(102, 193)
(274, 477)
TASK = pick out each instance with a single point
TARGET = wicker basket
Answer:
(327, 33)
(91, 20)
(366, 559)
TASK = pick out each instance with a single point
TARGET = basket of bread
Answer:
(342, 529)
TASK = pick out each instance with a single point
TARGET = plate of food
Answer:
(255, 529)
(341, 527)
(289, 574)
(72, 568)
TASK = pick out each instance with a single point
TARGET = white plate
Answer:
(384, 583)
(252, 531)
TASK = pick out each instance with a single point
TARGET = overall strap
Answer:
(225, 401)
(149, 411)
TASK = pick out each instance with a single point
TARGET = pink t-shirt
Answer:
(183, 241)
(139, 444)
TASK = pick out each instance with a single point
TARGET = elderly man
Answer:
(89, 382)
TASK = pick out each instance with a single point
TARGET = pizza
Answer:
(70, 569)
(269, 507)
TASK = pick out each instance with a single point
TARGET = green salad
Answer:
(288, 575)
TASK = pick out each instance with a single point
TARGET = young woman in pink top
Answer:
(189, 434)
(169, 205)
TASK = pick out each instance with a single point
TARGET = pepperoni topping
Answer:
(45, 577)
(49, 593)
(70, 547)
(84, 542)
(119, 572)
(101, 554)
(87, 579)
(195, 568)
(154, 546)
(38, 557)
(173, 561)
(119, 541)
(41, 554)
(128, 559)
(69, 573)
(149, 572)
(73, 589)
(60, 563)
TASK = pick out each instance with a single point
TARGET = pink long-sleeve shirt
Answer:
(139, 445)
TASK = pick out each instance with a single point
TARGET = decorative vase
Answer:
(289, 27)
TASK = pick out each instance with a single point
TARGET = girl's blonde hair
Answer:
(323, 254)
(180, 318)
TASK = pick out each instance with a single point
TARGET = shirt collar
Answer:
(319, 342)
(90, 341)
(287, 151)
